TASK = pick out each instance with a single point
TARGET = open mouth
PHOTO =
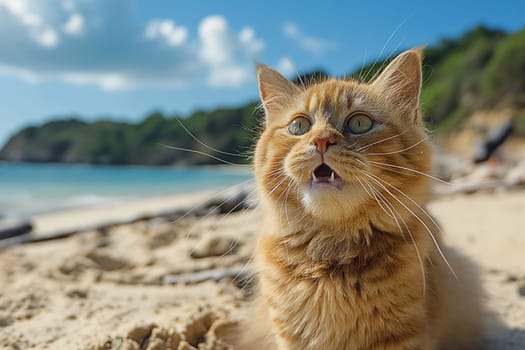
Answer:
(324, 176)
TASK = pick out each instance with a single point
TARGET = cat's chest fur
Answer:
(330, 293)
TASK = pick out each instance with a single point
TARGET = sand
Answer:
(107, 288)
(76, 218)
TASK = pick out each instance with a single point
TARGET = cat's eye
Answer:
(300, 126)
(359, 123)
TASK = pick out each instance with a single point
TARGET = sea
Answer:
(29, 189)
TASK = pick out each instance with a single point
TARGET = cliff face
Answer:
(482, 70)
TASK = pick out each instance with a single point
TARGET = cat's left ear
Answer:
(401, 81)
(276, 91)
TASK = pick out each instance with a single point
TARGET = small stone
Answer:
(5, 321)
(214, 246)
(140, 332)
(77, 293)
(162, 235)
(185, 346)
(195, 331)
(103, 242)
(511, 278)
(106, 262)
(521, 290)
(162, 339)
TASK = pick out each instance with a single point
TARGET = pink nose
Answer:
(322, 143)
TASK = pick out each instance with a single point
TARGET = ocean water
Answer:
(27, 189)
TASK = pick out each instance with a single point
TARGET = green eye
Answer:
(359, 123)
(299, 126)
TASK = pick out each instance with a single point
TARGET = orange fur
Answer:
(356, 267)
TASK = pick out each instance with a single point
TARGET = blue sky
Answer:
(125, 58)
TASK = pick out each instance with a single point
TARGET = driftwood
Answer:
(497, 137)
(218, 205)
(12, 228)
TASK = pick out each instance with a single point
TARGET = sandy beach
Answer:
(182, 283)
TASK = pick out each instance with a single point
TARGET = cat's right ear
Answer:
(276, 91)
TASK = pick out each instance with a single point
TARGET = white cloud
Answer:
(48, 38)
(217, 47)
(291, 29)
(44, 40)
(41, 32)
(247, 38)
(307, 42)
(286, 66)
(226, 53)
(24, 74)
(108, 82)
(74, 25)
(230, 75)
(167, 30)
(21, 10)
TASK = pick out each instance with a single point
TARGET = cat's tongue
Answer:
(323, 174)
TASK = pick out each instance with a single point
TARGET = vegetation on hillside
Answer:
(484, 69)
(148, 142)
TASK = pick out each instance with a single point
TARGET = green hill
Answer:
(484, 69)
(107, 142)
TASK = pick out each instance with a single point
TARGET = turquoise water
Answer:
(26, 189)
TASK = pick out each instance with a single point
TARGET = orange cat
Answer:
(348, 256)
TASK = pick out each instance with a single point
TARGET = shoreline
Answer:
(39, 189)
(117, 212)
(133, 210)
(67, 221)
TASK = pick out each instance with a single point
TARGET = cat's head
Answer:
(339, 147)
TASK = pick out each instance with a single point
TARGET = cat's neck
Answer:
(359, 237)
(293, 221)
(302, 231)
(314, 254)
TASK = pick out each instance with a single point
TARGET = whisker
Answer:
(204, 154)
(385, 45)
(411, 170)
(204, 144)
(224, 216)
(386, 61)
(419, 258)
(243, 269)
(418, 253)
(364, 188)
(214, 194)
(373, 177)
(381, 141)
(267, 195)
(410, 199)
(399, 151)
(209, 213)
(284, 194)
(373, 194)
(299, 78)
